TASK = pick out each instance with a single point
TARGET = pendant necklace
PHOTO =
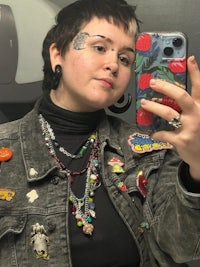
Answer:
(82, 208)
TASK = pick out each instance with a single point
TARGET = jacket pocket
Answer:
(11, 226)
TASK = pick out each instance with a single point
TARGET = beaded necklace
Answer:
(62, 149)
(82, 208)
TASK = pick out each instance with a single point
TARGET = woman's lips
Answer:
(106, 82)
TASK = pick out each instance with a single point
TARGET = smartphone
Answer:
(159, 55)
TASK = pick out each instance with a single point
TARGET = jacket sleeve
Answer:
(174, 212)
(186, 181)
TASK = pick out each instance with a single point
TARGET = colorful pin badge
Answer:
(6, 194)
(116, 165)
(122, 186)
(142, 183)
(5, 154)
(142, 143)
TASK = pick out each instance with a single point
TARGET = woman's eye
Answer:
(100, 48)
(124, 60)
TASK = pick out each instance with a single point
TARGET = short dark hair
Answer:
(72, 17)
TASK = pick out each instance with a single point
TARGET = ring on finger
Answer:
(175, 122)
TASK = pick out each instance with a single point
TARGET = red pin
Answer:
(5, 154)
(142, 183)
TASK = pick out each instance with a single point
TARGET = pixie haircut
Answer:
(73, 17)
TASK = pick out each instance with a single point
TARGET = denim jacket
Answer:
(34, 192)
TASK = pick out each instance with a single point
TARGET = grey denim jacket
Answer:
(34, 193)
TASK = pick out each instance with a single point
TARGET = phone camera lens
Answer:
(177, 42)
(168, 51)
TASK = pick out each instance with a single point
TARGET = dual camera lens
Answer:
(169, 50)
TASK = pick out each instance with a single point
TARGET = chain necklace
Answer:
(82, 208)
(62, 149)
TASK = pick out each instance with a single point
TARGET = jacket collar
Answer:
(37, 160)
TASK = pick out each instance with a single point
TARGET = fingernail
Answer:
(143, 101)
(152, 81)
(193, 60)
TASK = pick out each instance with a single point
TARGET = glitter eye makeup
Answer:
(79, 40)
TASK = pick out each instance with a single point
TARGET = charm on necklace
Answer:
(82, 208)
(50, 137)
(88, 229)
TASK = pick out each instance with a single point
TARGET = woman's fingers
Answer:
(194, 74)
(183, 98)
(180, 95)
(161, 110)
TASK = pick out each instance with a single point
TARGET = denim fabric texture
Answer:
(171, 212)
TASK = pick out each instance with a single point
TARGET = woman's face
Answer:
(96, 68)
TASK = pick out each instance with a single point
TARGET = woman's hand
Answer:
(186, 139)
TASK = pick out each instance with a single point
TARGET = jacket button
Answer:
(55, 180)
(51, 226)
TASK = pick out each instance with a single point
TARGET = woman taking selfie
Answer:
(74, 191)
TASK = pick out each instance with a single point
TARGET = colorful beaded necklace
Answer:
(62, 149)
(82, 208)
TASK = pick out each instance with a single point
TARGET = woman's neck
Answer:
(62, 120)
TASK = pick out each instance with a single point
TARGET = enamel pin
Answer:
(116, 165)
(122, 187)
(32, 196)
(142, 182)
(141, 143)
(6, 194)
(5, 154)
(40, 241)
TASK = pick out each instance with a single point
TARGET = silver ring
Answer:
(175, 122)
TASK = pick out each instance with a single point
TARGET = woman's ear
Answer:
(55, 56)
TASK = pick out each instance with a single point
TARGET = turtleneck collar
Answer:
(66, 121)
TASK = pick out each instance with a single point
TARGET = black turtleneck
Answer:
(111, 243)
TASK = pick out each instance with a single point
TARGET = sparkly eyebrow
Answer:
(129, 49)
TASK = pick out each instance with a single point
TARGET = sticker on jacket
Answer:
(141, 143)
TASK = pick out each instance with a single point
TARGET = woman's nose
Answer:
(111, 65)
(113, 72)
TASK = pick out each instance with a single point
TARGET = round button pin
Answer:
(5, 154)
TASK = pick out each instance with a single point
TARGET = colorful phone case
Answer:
(158, 55)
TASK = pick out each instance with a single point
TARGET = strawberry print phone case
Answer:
(159, 55)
